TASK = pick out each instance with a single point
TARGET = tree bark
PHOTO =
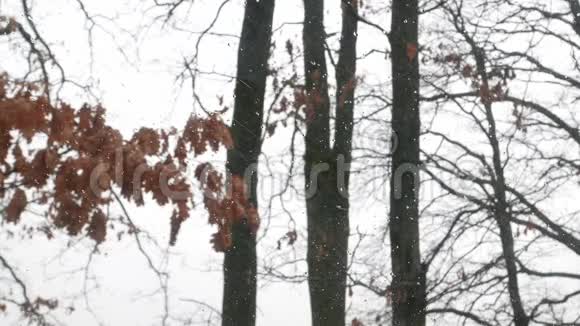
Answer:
(239, 296)
(408, 284)
(325, 168)
(501, 213)
(501, 207)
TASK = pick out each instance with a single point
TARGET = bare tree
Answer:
(239, 297)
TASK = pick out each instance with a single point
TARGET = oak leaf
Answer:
(98, 227)
(411, 51)
(16, 206)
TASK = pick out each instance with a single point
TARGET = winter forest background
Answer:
(289, 162)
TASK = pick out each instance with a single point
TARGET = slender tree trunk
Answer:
(326, 168)
(501, 212)
(239, 296)
(408, 284)
(503, 220)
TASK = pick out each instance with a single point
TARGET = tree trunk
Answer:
(326, 169)
(239, 296)
(408, 284)
(501, 213)
(501, 209)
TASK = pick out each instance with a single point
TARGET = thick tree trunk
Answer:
(239, 296)
(408, 284)
(326, 169)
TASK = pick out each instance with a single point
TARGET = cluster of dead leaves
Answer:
(411, 51)
(199, 134)
(71, 161)
(487, 95)
(493, 90)
(528, 226)
(227, 205)
(346, 91)
(290, 237)
(356, 322)
(8, 25)
(310, 100)
(225, 208)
